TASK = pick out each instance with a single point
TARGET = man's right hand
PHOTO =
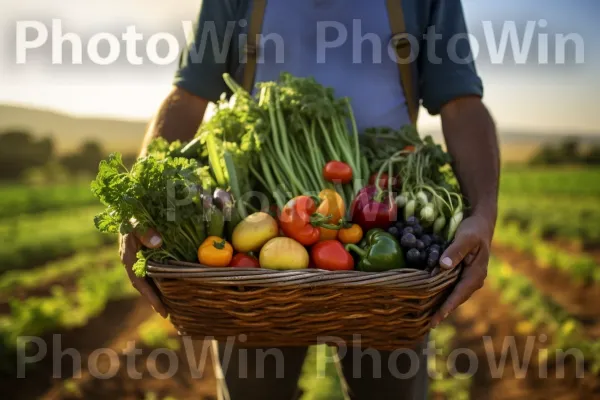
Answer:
(130, 244)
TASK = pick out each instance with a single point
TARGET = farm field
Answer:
(58, 275)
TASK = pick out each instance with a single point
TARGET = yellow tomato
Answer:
(253, 232)
(283, 253)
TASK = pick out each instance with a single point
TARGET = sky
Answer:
(528, 96)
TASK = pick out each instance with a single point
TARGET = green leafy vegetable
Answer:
(156, 193)
(429, 186)
(236, 129)
(299, 125)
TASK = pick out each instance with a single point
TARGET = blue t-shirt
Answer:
(344, 44)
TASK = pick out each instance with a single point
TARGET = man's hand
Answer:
(178, 118)
(471, 246)
(471, 138)
(130, 245)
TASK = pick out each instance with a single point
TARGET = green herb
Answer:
(156, 193)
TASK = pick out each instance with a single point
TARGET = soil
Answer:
(483, 316)
(113, 329)
(577, 299)
(44, 290)
(66, 282)
(592, 250)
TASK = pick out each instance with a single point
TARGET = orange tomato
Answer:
(215, 252)
(327, 234)
(351, 235)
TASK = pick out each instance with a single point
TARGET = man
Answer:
(345, 44)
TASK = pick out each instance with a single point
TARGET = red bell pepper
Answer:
(332, 256)
(242, 260)
(373, 208)
(300, 220)
(295, 220)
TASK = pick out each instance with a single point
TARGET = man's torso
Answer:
(344, 44)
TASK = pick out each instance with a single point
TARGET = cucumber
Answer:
(215, 222)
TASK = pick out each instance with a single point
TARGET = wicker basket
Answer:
(388, 310)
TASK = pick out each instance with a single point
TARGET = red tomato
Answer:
(337, 172)
(331, 255)
(241, 260)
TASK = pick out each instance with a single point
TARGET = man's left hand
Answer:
(471, 246)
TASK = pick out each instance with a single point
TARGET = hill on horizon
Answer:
(69, 131)
(125, 136)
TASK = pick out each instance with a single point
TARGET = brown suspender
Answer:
(403, 54)
(254, 29)
(399, 38)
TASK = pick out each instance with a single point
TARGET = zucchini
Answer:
(215, 222)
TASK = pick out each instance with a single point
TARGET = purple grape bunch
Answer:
(422, 248)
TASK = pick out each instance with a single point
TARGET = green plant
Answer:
(22, 280)
(156, 333)
(581, 267)
(451, 387)
(63, 310)
(20, 200)
(319, 379)
(31, 240)
(542, 313)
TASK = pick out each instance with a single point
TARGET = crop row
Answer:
(453, 386)
(33, 240)
(23, 199)
(526, 181)
(157, 332)
(581, 267)
(541, 313)
(63, 310)
(574, 219)
(16, 280)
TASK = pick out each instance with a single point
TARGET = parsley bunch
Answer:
(158, 193)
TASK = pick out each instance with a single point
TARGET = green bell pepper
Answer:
(369, 235)
(382, 252)
(366, 238)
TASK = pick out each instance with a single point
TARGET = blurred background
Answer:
(58, 275)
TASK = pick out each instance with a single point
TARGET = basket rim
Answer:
(398, 278)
